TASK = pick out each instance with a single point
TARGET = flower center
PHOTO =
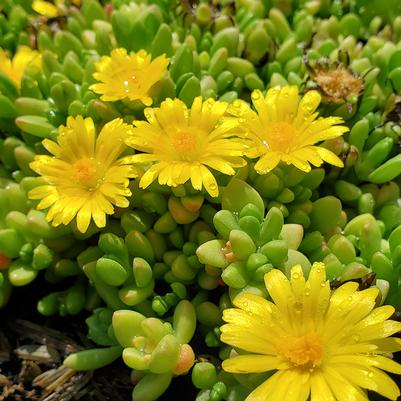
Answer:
(303, 352)
(86, 173)
(280, 136)
(131, 83)
(185, 144)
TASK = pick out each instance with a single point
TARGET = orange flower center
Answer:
(185, 144)
(280, 137)
(303, 352)
(87, 173)
(131, 83)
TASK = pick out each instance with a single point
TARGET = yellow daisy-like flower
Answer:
(124, 76)
(53, 9)
(329, 346)
(285, 128)
(184, 143)
(15, 68)
(45, 8)
(85, 176)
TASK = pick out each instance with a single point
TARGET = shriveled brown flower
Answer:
(336, 82)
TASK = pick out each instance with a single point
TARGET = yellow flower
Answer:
(45, 8)
(130, 76)
(184, 143)
(326, 345)
(23, 58)
(86, 177)
(285, 128)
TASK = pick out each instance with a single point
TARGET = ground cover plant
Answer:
(200, 199)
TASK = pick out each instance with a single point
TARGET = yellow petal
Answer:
(250, 363)
(287, 103)
(376, 316)
(329, 157)
(110, 142)
(247, 341)
(267, 163)
(47, 201)
(219, 165)
(320, 390)
(297, 280)
(209, 182)
(98, 215)
(41, 192)
(150, 176)
(379, 330)
(279, 289)
(196, 178)
(45, 8)
(371, 379)
(298, 162)
(364, 361)
(84, 217)
(52, 147)
(342, 389)
(307, 106)
(253, 304)
(339, 296)
(283, 385)
(264, 391)
(387, 345)
(309, 154)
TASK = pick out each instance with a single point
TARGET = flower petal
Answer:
(250, 363)
(320, 390)
(279, 289)
(267, 162)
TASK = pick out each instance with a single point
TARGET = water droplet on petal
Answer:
(255, 95)
(237, 104)
(298, 306)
